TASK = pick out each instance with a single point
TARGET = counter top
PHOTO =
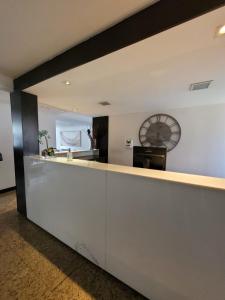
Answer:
(76, 151)
(189, 179)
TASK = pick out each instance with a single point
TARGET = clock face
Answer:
(160, 130)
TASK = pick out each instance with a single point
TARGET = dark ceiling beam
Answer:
(148, 22)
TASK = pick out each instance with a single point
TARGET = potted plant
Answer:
(43, 134)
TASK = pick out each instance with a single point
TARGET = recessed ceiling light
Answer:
(221, 30)
(67, 82)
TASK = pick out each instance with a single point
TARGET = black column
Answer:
(100, 133)
(25, 134)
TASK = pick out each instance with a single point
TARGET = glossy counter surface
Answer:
(77, 153)
(189, 179)
(161, 233)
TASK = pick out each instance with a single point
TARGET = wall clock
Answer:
(160, 130)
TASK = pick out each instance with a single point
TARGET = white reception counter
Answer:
(162, 233)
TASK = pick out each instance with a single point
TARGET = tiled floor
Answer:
(34, 265)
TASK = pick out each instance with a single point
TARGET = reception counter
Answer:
(161, 233)
(82, 154)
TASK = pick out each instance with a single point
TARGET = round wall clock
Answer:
(160, 130)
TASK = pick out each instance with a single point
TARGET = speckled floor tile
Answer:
(7, 201)
(52, 266)
(91, 283)
(22, 284)
(36, 266)
(17, 281)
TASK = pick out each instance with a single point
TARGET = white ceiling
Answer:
(62, 115)
(34, 31)
(153, 74)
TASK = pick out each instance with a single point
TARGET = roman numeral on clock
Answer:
(158, 118)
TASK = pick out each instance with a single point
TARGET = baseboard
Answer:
(7, 190)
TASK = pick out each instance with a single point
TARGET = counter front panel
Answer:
(163, 237)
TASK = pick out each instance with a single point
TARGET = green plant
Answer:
(43, 134)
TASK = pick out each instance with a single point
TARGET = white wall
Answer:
(50, 117)
(7, 175)
(201, 149)
(6, 83)
(74, 126)
(47, 121)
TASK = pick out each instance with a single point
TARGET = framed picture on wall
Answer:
(70, 138)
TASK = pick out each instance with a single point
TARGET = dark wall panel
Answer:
(101, 134)
(25, 134)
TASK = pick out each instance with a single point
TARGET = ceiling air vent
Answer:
(200, 85)
(104, 103)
